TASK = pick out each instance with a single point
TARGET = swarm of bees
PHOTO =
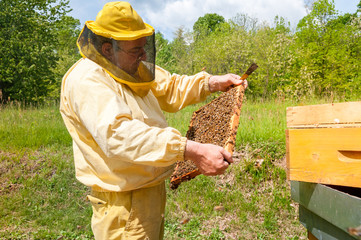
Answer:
(215, 123)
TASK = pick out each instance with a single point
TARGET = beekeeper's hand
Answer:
(224, 82)
(210, 159)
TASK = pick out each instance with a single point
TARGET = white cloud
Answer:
(167, 16)
(173, 14)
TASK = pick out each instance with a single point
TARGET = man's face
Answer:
(129, 54)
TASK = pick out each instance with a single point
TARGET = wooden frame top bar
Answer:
(346, 114)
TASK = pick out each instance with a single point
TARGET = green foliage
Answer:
(330, 47)
(321, 58)
(164, 56)
(67, 32)
(181, 51)
(273, 56)
(30, 47)
(223, 51)
(207, 24)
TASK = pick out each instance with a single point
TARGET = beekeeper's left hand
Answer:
(225, 82)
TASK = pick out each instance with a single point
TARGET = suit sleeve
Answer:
(175, 92)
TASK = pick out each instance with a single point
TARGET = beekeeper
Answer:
(111, 102)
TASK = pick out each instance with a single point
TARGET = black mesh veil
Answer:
(90, 46)
(151, 51)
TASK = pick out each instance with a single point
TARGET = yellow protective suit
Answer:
(137, 214)
(121, 140)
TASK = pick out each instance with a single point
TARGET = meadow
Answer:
(41, 199)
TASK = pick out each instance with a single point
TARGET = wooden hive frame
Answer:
(231, 126)
(228, 103)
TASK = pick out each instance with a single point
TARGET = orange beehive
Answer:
(324, 144)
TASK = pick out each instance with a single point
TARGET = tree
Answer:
(67, 32)
(328, 55)
(29, 47)
(207, 24)
(320, 59)
(272, 50)
(181, 51)
(314, 42)
(164, 57)
(245, 22)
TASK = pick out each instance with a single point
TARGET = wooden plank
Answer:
(325, 155)
(319, 228)
(348, 125)
(310, 236)
(338, 209)
(324, 115)
(287, 156)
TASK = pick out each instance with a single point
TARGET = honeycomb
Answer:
(215, 123)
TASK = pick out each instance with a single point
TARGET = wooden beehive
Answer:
(328, 212)
(215, 123)
(324, 166)
(324, 144)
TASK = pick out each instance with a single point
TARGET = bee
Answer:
(185, 221)
(355, 231)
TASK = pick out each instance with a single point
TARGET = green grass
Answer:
(256, 200)
(41, 199)
(31, 127)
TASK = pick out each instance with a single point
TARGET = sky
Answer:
(167, 16)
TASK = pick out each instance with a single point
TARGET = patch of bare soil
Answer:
(15, 166)
(281, 163)
(224, 224)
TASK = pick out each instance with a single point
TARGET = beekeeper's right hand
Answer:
(210, 159)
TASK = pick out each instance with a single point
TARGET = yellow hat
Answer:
(118, 20)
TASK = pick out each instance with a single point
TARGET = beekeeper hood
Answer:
(120, 42)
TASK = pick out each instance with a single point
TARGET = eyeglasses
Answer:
(137, 53)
